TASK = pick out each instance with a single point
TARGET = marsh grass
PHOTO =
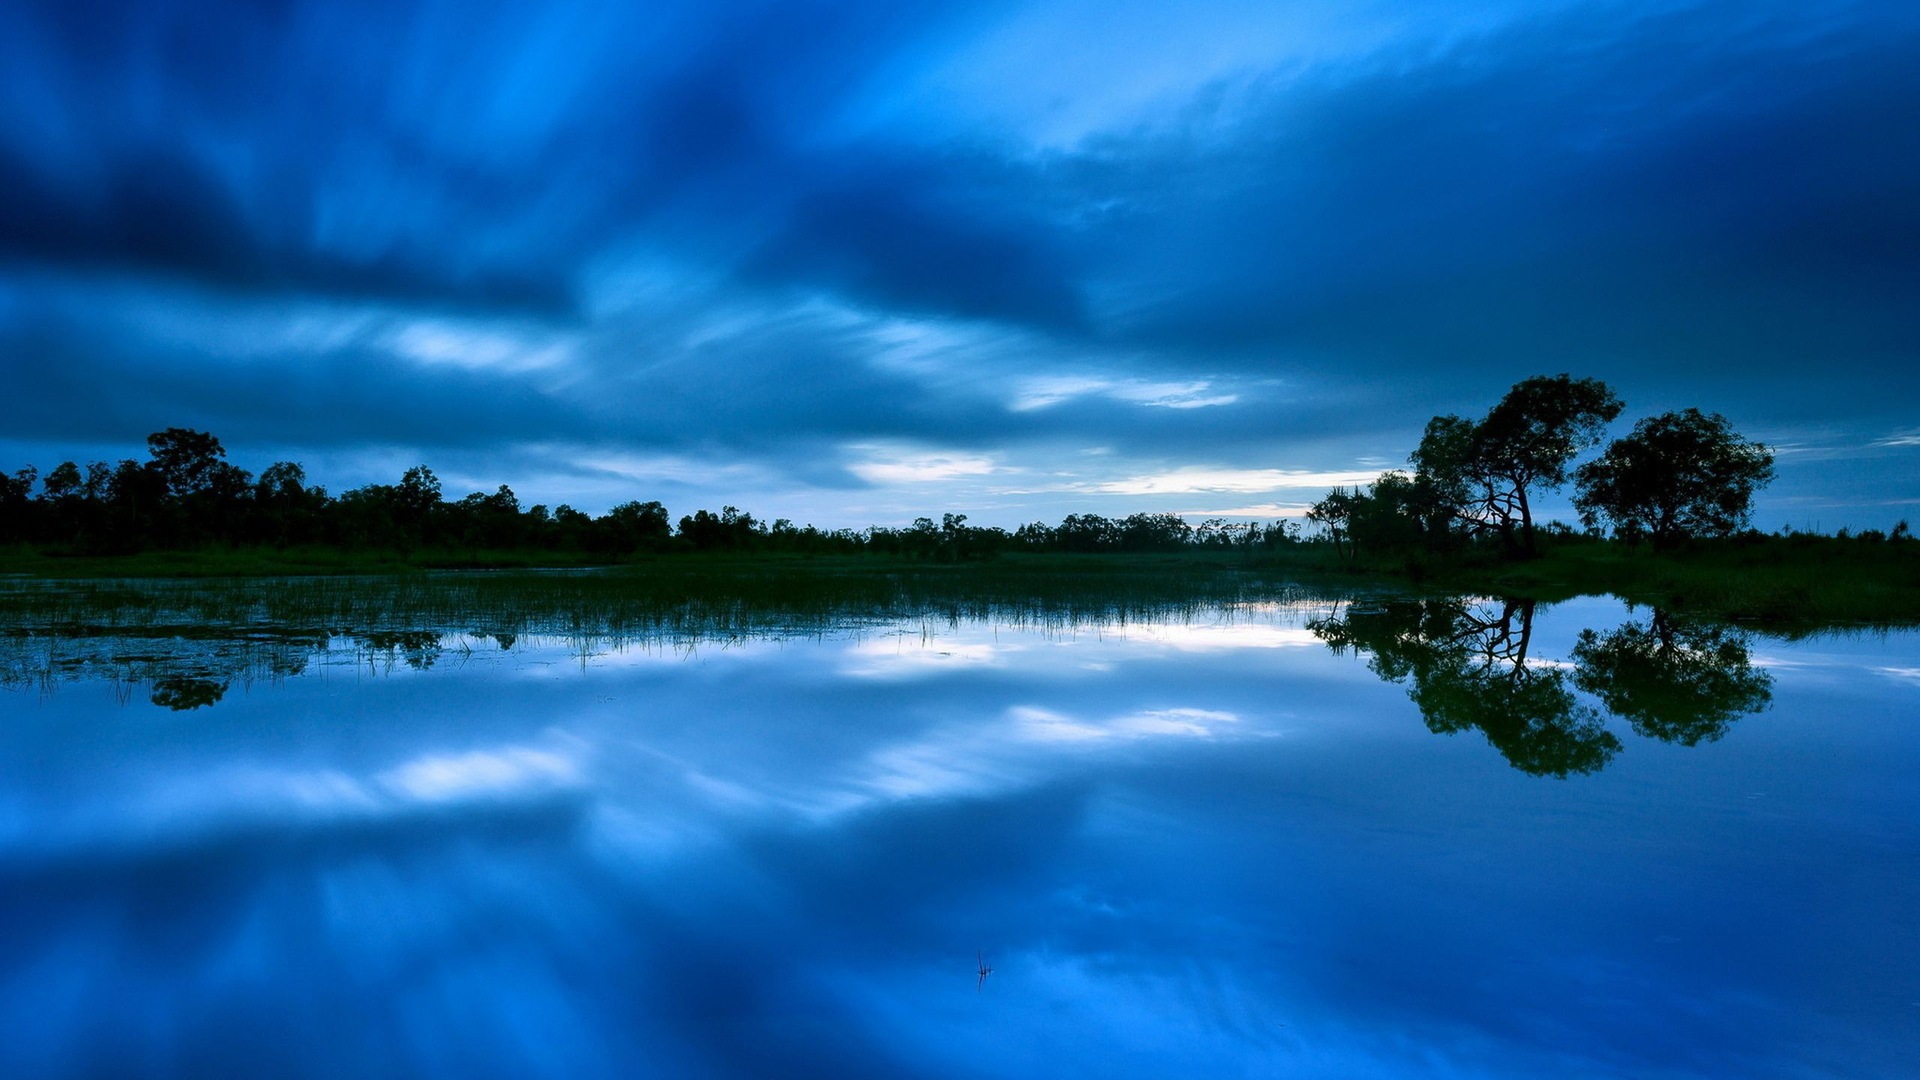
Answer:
(262, 627)
(1787, 586)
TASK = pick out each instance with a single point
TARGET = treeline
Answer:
(188, 495)
(1675, 477)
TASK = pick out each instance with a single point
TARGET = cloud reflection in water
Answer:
(1189, 850)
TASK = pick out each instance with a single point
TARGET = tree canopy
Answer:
(1490, 470)
(1676, 475)
(1474, 477)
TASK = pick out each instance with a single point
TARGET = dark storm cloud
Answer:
(120, 392)
(294, 148)
(210, 142)
(1701, 192)
(902, 237)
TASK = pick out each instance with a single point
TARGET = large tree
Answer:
(1530, 438)
(1675, 476)
(1487, 472)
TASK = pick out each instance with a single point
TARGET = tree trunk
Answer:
(1526, 518)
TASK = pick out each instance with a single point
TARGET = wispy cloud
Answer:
(895, 466)
(1253, 510)
(480, 347)
(1196, 479)
(1045, 391)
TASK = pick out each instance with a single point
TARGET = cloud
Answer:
(1047, 390)
(1191, 479)
(905, 467)
(1255, 510)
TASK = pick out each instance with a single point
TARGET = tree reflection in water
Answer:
(182, 693)
(1467, 665)
(1468, 668)
(1679, 682)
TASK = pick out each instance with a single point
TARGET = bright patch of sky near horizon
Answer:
(848, 264)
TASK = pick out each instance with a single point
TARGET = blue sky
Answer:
(855, 262)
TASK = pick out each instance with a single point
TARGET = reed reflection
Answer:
(1468, 666)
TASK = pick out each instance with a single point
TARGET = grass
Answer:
(1785, 584)
(686, 596)
(187, 625)
(252, 627)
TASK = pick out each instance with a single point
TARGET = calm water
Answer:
(1306, 839)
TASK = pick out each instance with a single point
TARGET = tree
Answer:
(1675, 476)
(415, 503)
(285, 508)
(1335, 514)
(16, 506)
(61, 494)
(1454, 489)
(632, 526)
(730, 528)
(1387, 515)
(188, 460)
(1482, 475)
(1530, 437)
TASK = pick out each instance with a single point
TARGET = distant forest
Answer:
(188, 495)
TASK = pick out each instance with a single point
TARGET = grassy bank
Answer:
(687, 597)
(1784, 583)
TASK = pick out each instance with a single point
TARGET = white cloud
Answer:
(886, 466)
(1047, 390)
(440, 343)
(1254, 510)
(1191, 479)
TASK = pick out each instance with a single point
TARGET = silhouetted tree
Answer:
(1154, 532)
(1677, 475)
(136, 497)
(16, 505)
(62, 505)
(633, 526)
(205, 495)
(1085, 533)
(490, 521)
(1335, 513)
(286, 510)
(708, 531)
(1488, 472)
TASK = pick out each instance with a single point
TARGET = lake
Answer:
(1270, 834)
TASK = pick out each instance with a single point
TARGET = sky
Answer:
(856, 262)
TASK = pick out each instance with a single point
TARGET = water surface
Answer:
(1302, 837)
